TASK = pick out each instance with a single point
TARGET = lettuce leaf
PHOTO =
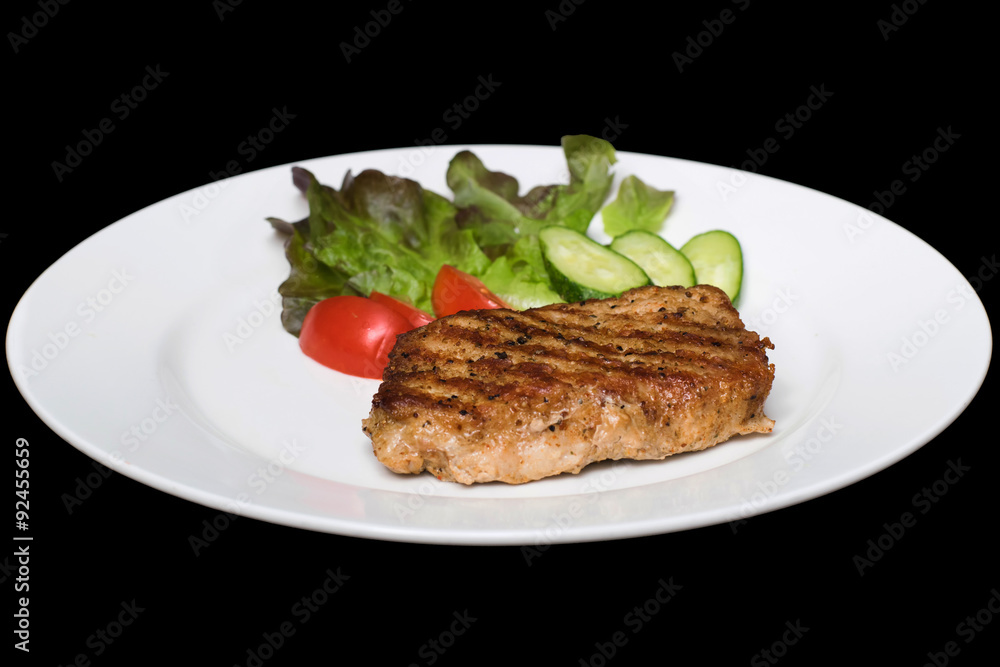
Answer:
(308, 282)
(390, 235)
(637, 206)
(493, 193)
(378, 232)
(384, 233)
(507, 224)
(589, 160)
(495, 196)
(519, 277)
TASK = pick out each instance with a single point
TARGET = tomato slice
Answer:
(456, 290)
(416, 317)
(352, 334)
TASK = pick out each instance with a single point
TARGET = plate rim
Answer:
(491, 536)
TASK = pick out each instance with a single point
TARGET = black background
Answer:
(607, 60)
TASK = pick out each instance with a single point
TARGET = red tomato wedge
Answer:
(416, 317)
(352, 334)
(456, 290)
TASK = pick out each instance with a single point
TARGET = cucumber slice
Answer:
(580, 268)
(717, 260)
(663, 263)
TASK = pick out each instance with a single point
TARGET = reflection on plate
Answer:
(156, 348)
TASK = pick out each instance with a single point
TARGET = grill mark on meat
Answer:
(488, 385)
(469, 343)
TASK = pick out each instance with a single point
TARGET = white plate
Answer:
(156, 348)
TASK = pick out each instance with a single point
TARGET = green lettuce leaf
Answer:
(574, 205)
(519, 277)
(495, 197)
(637, 206)
(384, 233)
(377, 233)
(506, 224)
(308, 283)
(493, 193)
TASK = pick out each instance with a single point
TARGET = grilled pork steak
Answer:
(514, 396)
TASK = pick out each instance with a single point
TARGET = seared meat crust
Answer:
(514, 396)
